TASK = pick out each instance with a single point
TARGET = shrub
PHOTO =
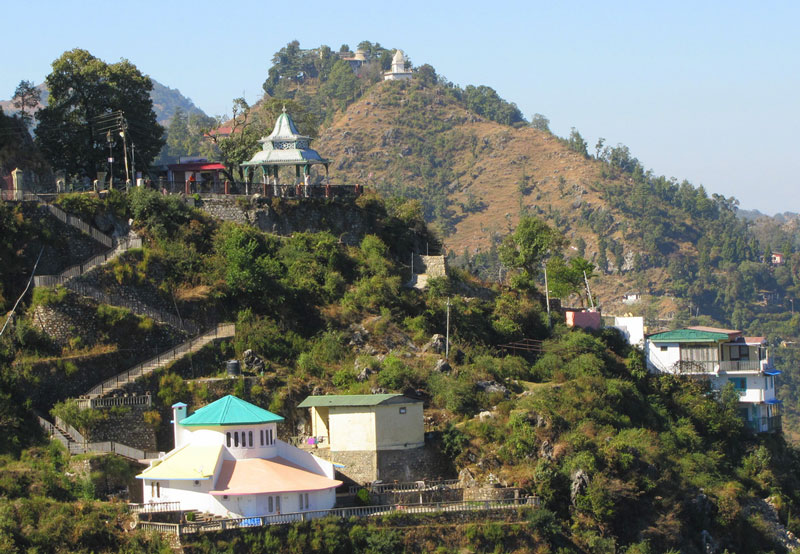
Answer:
(395, 374)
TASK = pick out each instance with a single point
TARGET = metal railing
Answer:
(242, 188)
(71, 431)
(223, 330)
(359, 511)
(743, 365)
(124, 244)
(409, 486)
(79, 224)
(764, 424)
(110, 402)
(134, 306)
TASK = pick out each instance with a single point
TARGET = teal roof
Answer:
(230, 410)
(688, 335)
(285, 146)
(332, 400)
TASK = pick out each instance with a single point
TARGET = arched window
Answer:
(261, 436)
(250, 438)
(236, 438)
(228, 437)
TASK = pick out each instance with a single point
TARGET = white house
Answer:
(632, 328)
(722, 355)
(228, 461)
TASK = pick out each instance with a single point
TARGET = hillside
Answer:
(165, 101)
(623, 461)
(477, 177)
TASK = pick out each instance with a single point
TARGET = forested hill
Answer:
(165, 101)
(476, 177)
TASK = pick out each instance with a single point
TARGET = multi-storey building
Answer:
(723, 356)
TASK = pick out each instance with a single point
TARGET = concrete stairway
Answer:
(221, 331)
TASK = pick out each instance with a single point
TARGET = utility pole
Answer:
(547, 295)
(110, 141)
(589, 292)
(125, 149)
(447, 334)
(133, 162)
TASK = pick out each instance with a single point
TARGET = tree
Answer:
(577, 143)
(26, 96)
(527, 247)
(538, 121)
(242, 142)
(82, 88)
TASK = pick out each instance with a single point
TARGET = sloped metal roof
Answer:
(689, 335)
(332, 400)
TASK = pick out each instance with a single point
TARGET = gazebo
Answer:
(285, 147)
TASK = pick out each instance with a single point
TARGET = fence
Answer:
(360, 511)
(65, 276)
(242, 188)
(154, 507)
(71, 431)
(223, 330)
(110, 402)
(78, 224)
(409, 486)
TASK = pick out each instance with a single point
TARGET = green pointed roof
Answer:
(230, 410)
(689, 335)
(285, 146)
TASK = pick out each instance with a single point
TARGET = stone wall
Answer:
(124, 425)
(416, 464)
(361, 467)
(285, 217)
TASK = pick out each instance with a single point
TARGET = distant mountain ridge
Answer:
(165, 101)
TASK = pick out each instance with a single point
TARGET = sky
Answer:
(703, 91)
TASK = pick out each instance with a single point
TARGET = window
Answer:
(228, 437)
(158, 489)
(270, 506)
(278, 504)
(197, 483)
(261, 436)
(306, 495)
(403, 410)
(739, 383)
(236, 438)
(663, 348)
(300, 506)
(250, 438)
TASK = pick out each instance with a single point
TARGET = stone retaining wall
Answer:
(361, 467)
(285, 217)
(124, 425)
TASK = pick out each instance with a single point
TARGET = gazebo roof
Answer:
(285, 146)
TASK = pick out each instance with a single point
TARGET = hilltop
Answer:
(165, 101)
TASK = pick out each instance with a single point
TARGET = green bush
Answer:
(395, 374)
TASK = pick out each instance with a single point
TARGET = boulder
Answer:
(442, 366)
(437, 344)
(580, 481)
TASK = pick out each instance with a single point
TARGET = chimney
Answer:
(178, 415)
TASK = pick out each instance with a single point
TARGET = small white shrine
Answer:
(398, 71)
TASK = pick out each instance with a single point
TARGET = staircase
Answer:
(221, 331)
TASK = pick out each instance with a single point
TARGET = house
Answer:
(583, 318)
(722, 356)
(398, 70)
(632, 328)
(228, 461)
(777, 258)
(631, 298)
(374, 436)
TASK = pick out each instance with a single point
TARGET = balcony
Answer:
(744, 365)
(764, 424)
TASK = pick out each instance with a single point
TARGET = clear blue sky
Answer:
(706, 91)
